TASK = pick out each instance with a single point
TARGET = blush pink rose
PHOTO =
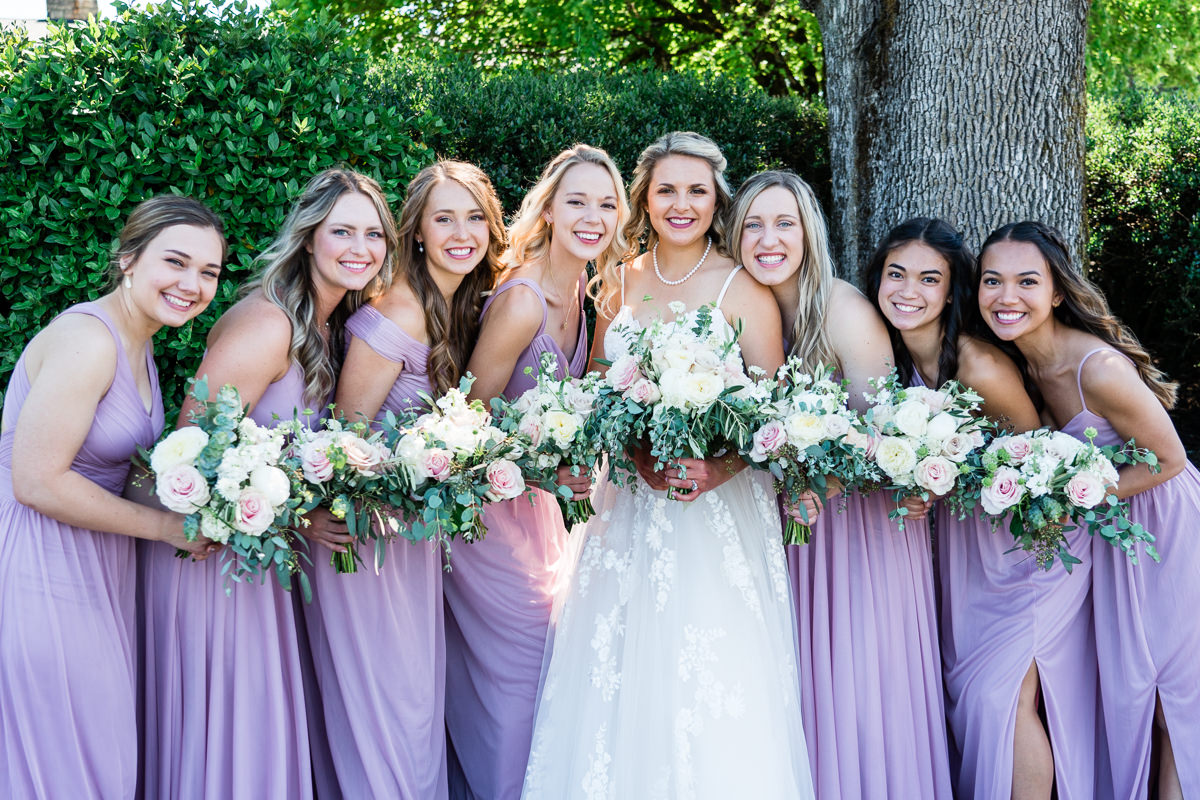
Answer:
(1086, 490)
(623, 373)
(1018, 448)
(254, 512)
(644, 392)
(182, 489)
(1004, 493)
(314, 461)
(504, 479)
(767, 440)
(436, 463)
(360, 454)
(936, 474)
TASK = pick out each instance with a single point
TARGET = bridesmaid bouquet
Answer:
(807, 434)
(683, 387)
(452, 461)
(555, 424)
(1047, 480)
(223, 473)
(923, 438)
(341, 466)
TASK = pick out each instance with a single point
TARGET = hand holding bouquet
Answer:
(556, 426)
(223, 473)
(1047, 480)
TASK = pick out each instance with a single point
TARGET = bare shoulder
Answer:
(851, 314)
(518, 307)
(981, 362)
(75, 344)
(253, 319)
(747, 298)
(400, 305)
(1108, 374)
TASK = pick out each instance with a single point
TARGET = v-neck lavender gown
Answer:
(870, 675)
(377, 639)
(1147, 632)
(68, 720)
(223, 693)
(499, 595)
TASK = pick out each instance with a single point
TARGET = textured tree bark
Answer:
(968, 111)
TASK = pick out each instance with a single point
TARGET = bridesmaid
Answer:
(871, 688)
(377, 636)
(1009, 629)
(82, 398)
(1091, 372)
(224, 701)
(500, 591)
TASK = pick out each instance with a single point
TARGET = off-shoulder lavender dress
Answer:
(68, 725)
(499, 595)
(223, 693)
(377, 640)
(1147, 631)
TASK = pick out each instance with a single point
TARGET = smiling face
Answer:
(1016, 289)
(174, 278)
(348, 247)
(914, 287)
(772, 237)
(583, 213)
(454, 232)
(682, 199)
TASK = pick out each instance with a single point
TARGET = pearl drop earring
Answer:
(420, 247)
(128, 282)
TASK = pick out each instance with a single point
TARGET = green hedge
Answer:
(1143, 201)
(237, 112)
(512, 123)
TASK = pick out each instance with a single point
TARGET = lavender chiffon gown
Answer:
(499, 595)
(377, 641)
(223, 695)
(1147, 634)
(870, 677)
(68, 725)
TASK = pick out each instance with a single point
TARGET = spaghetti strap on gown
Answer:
(68, 701)
(223, 695)
(673, 670)
(499, 595)
(1147, 634)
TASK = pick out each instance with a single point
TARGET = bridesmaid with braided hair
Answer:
(1092, 373)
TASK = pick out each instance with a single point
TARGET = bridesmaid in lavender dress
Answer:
(1009, 629)
(871, 688)
(83, 397)
(500, 591)
(377, 635)
(1092, 372)
(224, 698)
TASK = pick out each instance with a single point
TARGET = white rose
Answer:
(896, 457)
(700, 389)
(561, 426)
(180, 447)
(1063, 446)
(409, 448)
(936, 474)
(362, 455)
(912, 418)
(707, 360)
(836, 425)
(805, 429)
(676, 358)
(958, 447)
(273, 483)
(671, 385)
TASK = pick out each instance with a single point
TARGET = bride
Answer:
(672, 672)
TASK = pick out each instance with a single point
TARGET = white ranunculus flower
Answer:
(180, 447)
(912, 418)
(273, 483)
(804, 429)
(896, 457)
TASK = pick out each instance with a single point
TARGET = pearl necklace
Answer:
(700, 263)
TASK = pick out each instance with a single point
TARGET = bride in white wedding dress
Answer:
(672, 672)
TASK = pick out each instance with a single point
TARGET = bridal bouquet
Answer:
(682, 387)
(807, 434)
(223, 473)
(923, 438)
(556, 427)
(1047, 480)
(452, 461)
(342, 466)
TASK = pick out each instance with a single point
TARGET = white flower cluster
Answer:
(248, 489)
(1036, 463)
(818, 412)
(923, 436)
(552, 413)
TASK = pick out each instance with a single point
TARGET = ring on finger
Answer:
(695, 485)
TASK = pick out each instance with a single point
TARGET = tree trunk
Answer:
(972, 112)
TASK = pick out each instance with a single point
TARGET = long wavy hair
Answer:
(286, 277)
(639, 233)
(530, 235)
(451, 327)
(150, 218)
(960, 315)
(1083, 306)
(814, 278)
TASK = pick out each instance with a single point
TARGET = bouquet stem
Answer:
(345, 563)
(576, 512)
(796, 532)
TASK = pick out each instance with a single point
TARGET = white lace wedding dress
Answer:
(673, 667)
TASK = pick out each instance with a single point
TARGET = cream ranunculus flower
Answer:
(561, 426)
(700, 389)
(805, 429)
(896, 457)
(180, 447)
